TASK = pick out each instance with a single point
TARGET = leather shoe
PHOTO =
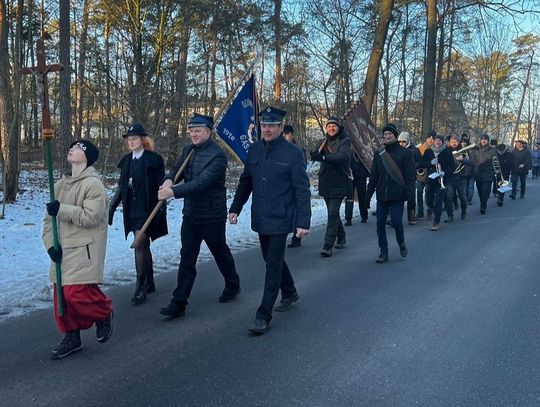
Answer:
(364, 220)
(229, 293)
(341, 244)
(259, 326)
(348, 222)
(286, 302)
(326, 252)
(403, 250)
(294, 243)
(383, 258)
(173, 310)
(140, 292)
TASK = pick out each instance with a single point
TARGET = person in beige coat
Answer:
(81, 210)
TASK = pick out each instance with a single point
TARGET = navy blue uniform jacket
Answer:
(275, 173)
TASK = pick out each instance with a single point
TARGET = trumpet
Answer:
(441, 181)
(498, 172)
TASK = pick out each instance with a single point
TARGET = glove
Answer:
(441, 173)
(316, 156)
(55, 254)
(111, 216)
(53, 207)
(435, 161)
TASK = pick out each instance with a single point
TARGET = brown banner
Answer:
(362, 132)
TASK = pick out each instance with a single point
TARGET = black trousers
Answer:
(334, 227)
(192, 235)
(359, 185)
(278, 275)
(484, 191)
(455, 188)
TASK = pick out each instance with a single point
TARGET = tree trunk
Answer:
(429, 70)
(277, 32)
(370, 84)
(439, 75)
(65, 135)
(176, 125)
(82, 69)
(9, 142)
(525, 86)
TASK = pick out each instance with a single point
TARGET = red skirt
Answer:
(83, 305)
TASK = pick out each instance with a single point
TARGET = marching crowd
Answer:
(435, 177)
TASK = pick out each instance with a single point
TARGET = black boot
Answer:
(140, 291)
(150, 285)
(70, 344)
(383, 257)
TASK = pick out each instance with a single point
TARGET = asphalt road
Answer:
(457, 323)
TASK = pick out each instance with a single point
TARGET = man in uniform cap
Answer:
(275, 173)
(205, 213)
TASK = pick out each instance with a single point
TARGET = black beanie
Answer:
(391, 128)
(90, 150)
(333, 120)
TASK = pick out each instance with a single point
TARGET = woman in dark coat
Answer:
(141, 173)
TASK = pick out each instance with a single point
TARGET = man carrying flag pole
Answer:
(202, 166)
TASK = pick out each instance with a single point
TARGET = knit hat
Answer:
(439, 137)
(404, 136)
(465, 137)
(333, 120)
(454, 137)
(90, 150)
(288, 129)
(391, 128)
(484, 137)
(493, 142)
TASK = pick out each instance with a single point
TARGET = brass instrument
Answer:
(441, 181)
(498, 172)
(465, 154)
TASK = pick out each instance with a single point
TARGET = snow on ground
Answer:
(24, 262)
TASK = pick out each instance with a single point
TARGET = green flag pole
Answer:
(41, 71)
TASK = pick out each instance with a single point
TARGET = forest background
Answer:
(450, 65)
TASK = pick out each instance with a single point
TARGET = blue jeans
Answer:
(395, 208)
(522, 183)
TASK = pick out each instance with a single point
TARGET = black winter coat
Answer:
(154, 169)
(483, 170)
(507, 162)
(379, 180)
(334, 170)
(522, 157)
(445, 159)
(203, 190)
(358, 168)
(275, 173)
